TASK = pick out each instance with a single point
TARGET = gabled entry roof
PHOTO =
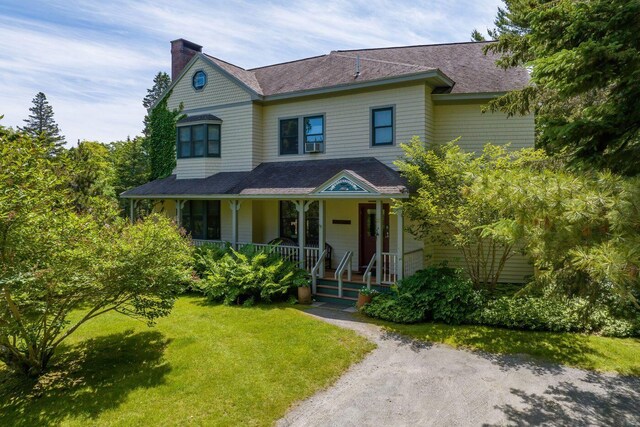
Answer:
(296, 178)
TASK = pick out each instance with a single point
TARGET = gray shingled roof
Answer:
(220, 183)
(278, 178)
(464, 63)
(199, 118)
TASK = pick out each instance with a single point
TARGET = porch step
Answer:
(346, 301)
(351, 286)
(333, 291)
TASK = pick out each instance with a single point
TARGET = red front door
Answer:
(367, 226)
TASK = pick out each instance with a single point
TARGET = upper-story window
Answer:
(382, 126)
(199, 80)
(308, 138)
(289, 143)
(201, 139)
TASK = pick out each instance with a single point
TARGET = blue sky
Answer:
(95, 59)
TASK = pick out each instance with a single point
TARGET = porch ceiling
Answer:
(294, 179)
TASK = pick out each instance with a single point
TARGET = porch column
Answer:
(301, 207)
(132, 210)
(321, 235)
(379, 232)
(400, 250)
(235, 207)
(179, 205)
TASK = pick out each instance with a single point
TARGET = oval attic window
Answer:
(199, 80)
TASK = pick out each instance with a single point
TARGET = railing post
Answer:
(400, 250)
(379, 237)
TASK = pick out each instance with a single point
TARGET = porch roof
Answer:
(285, 179)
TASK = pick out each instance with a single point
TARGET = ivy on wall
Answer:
(161, 141)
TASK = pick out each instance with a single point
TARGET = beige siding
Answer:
(218, 91)
(257, 130)
(517, 269)
(347, 124)
(245, 221)
(265, 220)
(476, 129)
(237, 132)
(429, 115)
(166, 206)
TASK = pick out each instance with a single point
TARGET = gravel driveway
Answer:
(408, 383)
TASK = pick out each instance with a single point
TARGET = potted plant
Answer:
(365, 295)
(304, 291)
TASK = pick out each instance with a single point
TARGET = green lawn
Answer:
(620, 355)
(204, 364)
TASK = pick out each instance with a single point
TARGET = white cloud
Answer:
(94, 60)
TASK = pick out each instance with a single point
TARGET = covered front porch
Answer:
(338, 223)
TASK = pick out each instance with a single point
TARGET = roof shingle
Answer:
(465, 63)
(278, 178)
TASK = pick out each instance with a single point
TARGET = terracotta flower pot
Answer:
(304, 295)
(363, 299)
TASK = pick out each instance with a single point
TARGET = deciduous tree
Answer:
(55, 259)
(446, 210)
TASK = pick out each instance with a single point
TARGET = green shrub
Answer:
(436, 293)
(394, 308)
(248, 276)
(205, 256)
(557, 315)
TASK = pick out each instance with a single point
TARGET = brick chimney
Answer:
(181, 53)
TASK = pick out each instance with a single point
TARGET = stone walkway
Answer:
(409, 383)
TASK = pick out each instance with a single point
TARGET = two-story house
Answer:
(302, 152)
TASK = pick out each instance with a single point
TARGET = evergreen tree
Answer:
(41, 125)
(131, 164)
(91, 176)
(161, 83)
(476, 36)
(584, 58)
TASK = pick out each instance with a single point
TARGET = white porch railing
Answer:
(288, 252)
(217, 243)
(315, 270)
(389, 268)
(413, 261)
(366, 277)
(345, 264)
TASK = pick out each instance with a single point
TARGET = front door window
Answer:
(368, 232)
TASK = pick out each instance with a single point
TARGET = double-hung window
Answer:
(289, 142)
(297, 133)
(382, 126)
(199, 140)
(314, 130)
(201, 218)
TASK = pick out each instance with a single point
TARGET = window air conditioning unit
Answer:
(313, 147)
